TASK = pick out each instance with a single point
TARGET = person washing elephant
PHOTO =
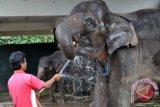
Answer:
(22, 85)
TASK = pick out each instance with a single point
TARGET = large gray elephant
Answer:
(95, 29)
(87, 24)
(131, 64)
(84, 23)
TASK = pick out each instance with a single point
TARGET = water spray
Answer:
(61, 71)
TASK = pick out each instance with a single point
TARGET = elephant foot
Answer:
(51, 99)
(91, 105)
(61, 101)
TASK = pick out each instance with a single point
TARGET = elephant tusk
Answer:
(112, 27)
(134, 41)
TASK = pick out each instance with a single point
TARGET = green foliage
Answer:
(26, 39)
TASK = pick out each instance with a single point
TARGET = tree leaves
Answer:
(26, 39)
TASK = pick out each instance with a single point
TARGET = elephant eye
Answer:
(46, 69)
(91, 22)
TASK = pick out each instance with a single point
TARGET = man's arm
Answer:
(47, 84)
(36, 83)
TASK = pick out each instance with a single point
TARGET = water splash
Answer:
(68, 77)
(81, 73)
(65, 65)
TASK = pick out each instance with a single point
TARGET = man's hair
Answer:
(16, 58)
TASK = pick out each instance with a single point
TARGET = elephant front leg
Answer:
(119, 93)
(61, 91)
(100, 98)
(51, 91)
(124, 71)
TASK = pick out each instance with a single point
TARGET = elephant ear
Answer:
(138, 14)
(121, 33)
(128, 16)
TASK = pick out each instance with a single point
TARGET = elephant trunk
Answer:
(40, 73)
(65, 35)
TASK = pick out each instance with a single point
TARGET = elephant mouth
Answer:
(91, 52)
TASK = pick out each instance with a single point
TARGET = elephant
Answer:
(49, 66)
(96, 30)
(84, 22)
(87, 25)
(134, 63)
(52, 64)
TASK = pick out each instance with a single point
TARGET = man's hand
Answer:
(56, 77)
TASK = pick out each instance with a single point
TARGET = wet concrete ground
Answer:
(5, 101)
(72, 101)
(75, 104)
(78, 104)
